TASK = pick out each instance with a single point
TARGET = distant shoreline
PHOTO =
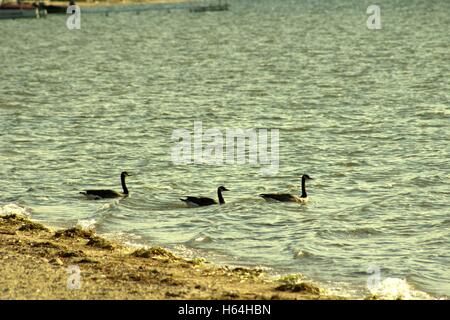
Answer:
(37, 262)
(109, 3)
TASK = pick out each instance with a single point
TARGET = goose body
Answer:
(203, 201)
(286, 197)
(105, 194)
(199, 201)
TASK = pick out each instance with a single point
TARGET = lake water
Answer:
(363, 112)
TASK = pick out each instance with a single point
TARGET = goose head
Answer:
(222, 188)
(125, 174)
(306, 177)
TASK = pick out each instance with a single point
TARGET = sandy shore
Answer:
(35, 261)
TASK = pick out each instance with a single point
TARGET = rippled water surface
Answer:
(365, 113)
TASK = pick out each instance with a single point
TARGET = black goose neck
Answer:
(219, 194)
(124, 186)
(304, 195)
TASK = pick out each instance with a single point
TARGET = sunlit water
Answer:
(365, 113)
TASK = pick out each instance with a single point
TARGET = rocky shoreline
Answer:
(39, 262)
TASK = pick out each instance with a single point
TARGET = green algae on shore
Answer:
(76, 232)
(154, 252)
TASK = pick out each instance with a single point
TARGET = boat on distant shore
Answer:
(51, 9)
(21, 10)
(210, 7)
(59, 8)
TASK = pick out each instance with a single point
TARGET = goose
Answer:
(102, 194)
(202, 201)
(286, 197)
